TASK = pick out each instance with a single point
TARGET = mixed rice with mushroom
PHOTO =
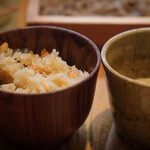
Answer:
(26, 72)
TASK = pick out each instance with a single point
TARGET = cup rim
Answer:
(113, 39)
(69, 31)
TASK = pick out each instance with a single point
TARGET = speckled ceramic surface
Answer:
(126, 57)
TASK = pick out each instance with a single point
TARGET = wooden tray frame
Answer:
(97, 28)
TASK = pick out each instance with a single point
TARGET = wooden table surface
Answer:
(98, 131)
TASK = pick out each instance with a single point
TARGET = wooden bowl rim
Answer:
(69, 31)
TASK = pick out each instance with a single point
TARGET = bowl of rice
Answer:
(22, 71)
(47, 83)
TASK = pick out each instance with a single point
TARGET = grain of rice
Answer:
(25, 72)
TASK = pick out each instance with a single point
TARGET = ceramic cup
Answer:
(126, 60)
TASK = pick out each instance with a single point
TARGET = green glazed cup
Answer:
(126, 58)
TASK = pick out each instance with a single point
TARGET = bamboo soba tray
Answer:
(97, 28)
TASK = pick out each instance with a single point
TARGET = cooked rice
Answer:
(25, 72)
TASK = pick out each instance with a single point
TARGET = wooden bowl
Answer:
(49, 118)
